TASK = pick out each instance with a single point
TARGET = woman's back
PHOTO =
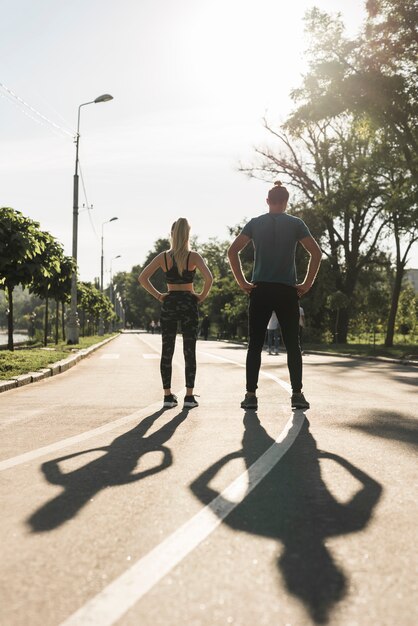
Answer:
(172, 273)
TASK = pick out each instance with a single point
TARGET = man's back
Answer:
(275, 236)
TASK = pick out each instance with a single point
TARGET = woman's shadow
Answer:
(293, 505)
(114, 467)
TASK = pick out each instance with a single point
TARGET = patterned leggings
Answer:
(179, 306)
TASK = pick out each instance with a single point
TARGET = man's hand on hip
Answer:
(246, 286)
(302, 289)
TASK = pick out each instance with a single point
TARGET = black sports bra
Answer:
(173, 276)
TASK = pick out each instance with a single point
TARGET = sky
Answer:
(191, 82)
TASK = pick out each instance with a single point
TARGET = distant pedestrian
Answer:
(275, 236)
(152, 327)
(301, 326)
(179, 304)
(273, 334)
(204, 327)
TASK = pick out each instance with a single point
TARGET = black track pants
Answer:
(179, 307)
(283, 299)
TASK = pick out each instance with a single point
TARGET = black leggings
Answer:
(179, 306)
(283, 299)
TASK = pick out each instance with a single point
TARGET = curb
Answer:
(53, 369)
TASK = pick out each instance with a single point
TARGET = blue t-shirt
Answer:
(275, 236)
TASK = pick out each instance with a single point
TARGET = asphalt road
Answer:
(116, 512)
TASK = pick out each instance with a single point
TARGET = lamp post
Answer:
(72, 329)
(101, 328)
(111, 294)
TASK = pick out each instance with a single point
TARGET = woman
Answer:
(179, 304)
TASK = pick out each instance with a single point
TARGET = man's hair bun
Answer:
(278, 194)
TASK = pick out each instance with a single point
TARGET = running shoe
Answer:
(299, 401)
(170, 401)
(249, 402)
(190, 402)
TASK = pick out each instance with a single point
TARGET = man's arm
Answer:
(235, 262)
(315, 253)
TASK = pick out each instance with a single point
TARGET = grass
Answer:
(398, 351)
(36, 357)
(361, 347)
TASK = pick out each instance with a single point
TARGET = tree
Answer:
(47, 273)
(334, 170)
(61, 291)
(373, 77)
(21, 246)
(337, 301)
(92, 303)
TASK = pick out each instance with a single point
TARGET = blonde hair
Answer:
(180, 231)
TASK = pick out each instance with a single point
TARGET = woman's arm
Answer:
(146, 274)
(199, 262)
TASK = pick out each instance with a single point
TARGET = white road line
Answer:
(108, 606)
(89, 434)
(151, 356)
(70, 441)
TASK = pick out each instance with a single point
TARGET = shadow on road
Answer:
(388, 425)
(293, 505)
(113, 468)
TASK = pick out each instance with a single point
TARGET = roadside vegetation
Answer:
(36, 356)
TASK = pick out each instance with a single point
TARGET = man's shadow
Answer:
(293, 505)
(111, 469)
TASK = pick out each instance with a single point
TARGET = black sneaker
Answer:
(190, 402)
(170, 401)
(249, 402)
(299, 401)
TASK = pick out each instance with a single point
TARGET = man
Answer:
(273, 288)
(273, 334)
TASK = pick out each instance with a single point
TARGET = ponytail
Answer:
(180, 242)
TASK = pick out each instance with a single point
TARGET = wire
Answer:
(14, 98)
(87, 202)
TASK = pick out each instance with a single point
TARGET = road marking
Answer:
(110, 355)
(88, 434)
(63, 443)
(108, 606)
(280, 382)
(151, 356)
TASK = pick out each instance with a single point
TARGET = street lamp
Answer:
(72, 330)
(112, 219)
(111, 294)
(111, 279)
(101, 327)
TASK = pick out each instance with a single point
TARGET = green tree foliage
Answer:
(350, 146)
(47, 273)
(92, 303)
(21, 247)
(408, 310)
(373, 77)
(333, 168)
